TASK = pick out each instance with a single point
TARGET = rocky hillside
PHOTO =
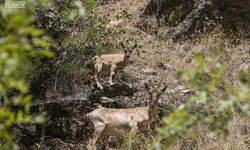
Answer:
(179, 18)
(153, 25)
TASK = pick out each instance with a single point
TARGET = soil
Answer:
(66, 126)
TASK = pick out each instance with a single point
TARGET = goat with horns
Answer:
(111, 121)
(110, 62)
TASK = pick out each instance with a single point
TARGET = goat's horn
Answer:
(138, 53)
(122, 45)
(164, 88)
(134, 46)
(147, 86)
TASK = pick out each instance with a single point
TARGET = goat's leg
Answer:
(112, 74)
(97, 70)
(133, 131)
(99, 128)
(97, 81)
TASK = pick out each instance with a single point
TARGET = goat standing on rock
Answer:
(110, 62)
(111, 121)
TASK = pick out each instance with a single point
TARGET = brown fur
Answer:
(110, 62)
(111, 121)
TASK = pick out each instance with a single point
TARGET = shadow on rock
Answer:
(118, 89)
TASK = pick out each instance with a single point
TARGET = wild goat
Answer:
(111, 121)
(110, 62)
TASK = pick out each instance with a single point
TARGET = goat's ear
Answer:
(122, 45)
(164, 88)
(134, 46)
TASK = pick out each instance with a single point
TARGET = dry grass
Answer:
(238, 137)
(180, 56)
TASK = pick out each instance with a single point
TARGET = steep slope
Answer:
(67, 127)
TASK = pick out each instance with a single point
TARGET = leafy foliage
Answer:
(79, 34)
(218, 100)
(20, 44)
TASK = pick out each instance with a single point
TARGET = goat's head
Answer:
(128, 50)
(155, 92)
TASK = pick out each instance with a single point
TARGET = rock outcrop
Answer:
(182, 18)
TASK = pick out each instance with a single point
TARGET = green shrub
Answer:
(78, 35)
(217, 99)
(21, 43)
